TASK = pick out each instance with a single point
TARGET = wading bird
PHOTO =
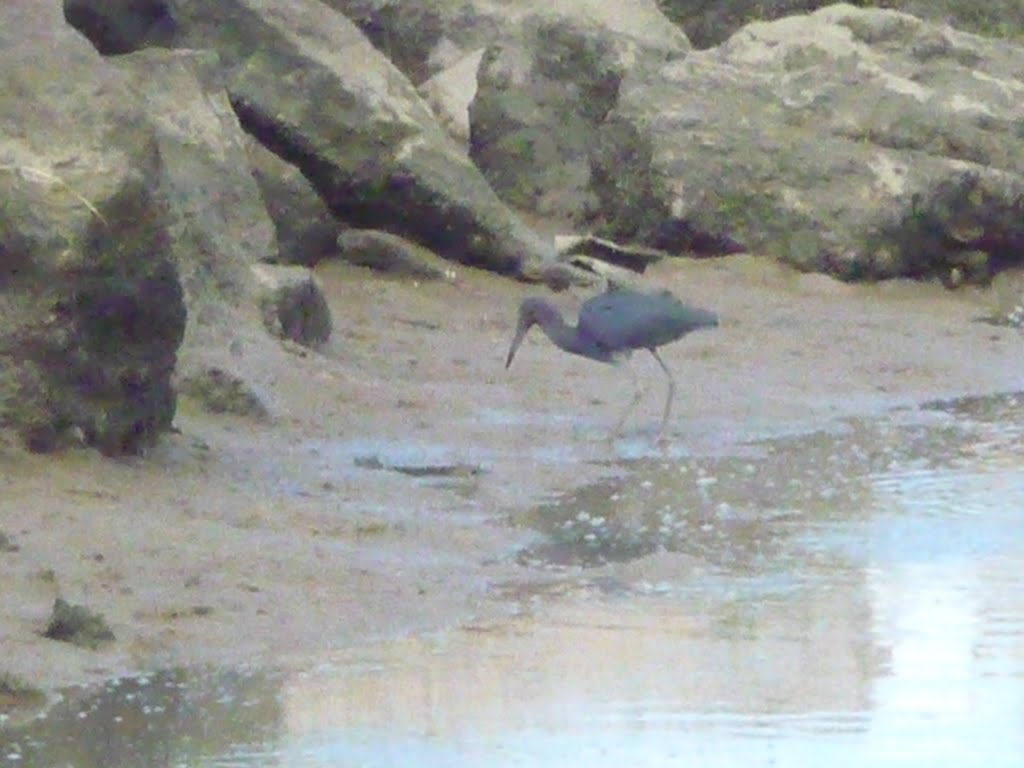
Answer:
(613, 324)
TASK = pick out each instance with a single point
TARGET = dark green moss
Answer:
(77, 625)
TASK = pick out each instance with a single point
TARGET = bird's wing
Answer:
(625, 319)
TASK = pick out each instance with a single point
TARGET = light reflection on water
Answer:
(848, 599)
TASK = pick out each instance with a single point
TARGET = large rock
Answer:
(865, 143)
(549, 75)
(308, 84)
(425, 38)
(91, 307)
(541, 99)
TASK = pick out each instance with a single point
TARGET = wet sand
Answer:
(238, 542)
(846, 597)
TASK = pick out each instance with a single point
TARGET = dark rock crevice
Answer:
(121, 26)
(965, 230)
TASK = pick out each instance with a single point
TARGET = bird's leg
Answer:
(638, 393)
(671, 391)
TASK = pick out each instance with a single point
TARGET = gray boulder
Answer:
(292, 304)
(91, 307)
(425, 38)
(549, 75)
(863, 143)
(541, 100)
(306, 83)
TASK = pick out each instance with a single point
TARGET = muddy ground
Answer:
(237, 541)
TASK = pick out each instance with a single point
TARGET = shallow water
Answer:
(845, 598)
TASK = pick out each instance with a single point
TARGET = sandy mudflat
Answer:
(237, 542)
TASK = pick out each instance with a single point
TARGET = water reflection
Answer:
(844, 599)
(172, 718)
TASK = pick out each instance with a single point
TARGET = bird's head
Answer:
(533, 311)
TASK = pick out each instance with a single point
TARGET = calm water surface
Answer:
(853, 598)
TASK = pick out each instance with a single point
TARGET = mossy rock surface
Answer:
(77, 625)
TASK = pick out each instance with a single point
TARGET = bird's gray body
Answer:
(620, 321)
(613, 324)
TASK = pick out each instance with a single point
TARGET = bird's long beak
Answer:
(521, 330)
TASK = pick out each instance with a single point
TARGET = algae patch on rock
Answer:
(77, 625)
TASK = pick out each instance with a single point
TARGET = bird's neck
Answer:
(563, 335)
(569, 338)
